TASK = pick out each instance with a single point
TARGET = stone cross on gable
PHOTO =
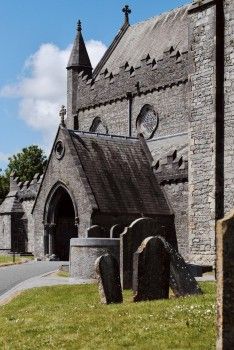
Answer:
(126, 10)
(62, 114)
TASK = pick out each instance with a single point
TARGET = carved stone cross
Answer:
(62, 114)
(126, 10)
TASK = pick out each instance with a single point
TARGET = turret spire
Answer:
(79, 58)
(79, 28)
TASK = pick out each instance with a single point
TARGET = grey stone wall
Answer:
(5, 232)
(65, 171)
(177, 194)
(84, 252)
(172, 107)
(202, 135)
(113, 115)
(72, 82)
(27, 206)
(229, 106)
(171, 104)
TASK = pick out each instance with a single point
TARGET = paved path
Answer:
(10, 276)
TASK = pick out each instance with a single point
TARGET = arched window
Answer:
(147, 121)
(98, 126)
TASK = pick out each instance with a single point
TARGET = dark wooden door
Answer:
(65, 230)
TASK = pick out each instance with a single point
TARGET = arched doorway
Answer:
(61, 226)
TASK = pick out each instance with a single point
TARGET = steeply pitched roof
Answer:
(153, 37)
(119, 174)
(11, 204)
(79, 57)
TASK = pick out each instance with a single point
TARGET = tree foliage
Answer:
(25, 165)
(4, 187)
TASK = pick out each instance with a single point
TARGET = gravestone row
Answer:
(151, 273)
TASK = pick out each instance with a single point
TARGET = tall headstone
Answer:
(182, 282)
(225, 282)
(130, 240)
(107, 270)
(151, 270)
(116, 230)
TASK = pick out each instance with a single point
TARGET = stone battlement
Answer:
(147, 76)
(171, 169)
(25, 190)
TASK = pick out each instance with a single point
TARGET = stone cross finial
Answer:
(126, 10)
(62, 114)
(79, 28)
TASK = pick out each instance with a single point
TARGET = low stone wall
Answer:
(85, 251)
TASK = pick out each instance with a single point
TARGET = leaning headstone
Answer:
(182, 282)
(130, 240)
(96, 231)
(225, 282)
(107, 270)
(116, 230)
(151, 270)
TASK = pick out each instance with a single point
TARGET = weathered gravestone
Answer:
(116, 230)
(130, 240)
(107, 270)
(151, 270)
(182, 282)
(96, 231)
(225, 282)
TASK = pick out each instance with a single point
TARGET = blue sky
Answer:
(36, 38)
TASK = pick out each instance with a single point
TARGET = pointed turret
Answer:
(79, 58)
(78, 62)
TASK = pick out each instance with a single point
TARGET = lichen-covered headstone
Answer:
(151, 270)
(107, 269)
(182, 282)
(130, 240)
(225, 282)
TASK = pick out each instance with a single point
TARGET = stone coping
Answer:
(94, 242)
(199, 4)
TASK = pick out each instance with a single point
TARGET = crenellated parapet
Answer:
(28, 190)
(172, 169)
(147, 76)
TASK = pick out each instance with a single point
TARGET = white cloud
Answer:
(3, 160)
(4, 157)
(42, 88)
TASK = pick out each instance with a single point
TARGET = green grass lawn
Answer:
(8, 259)
(71, 317)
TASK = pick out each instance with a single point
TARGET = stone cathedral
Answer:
(149, 133)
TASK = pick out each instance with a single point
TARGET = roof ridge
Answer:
(161, 15)
(110, 136)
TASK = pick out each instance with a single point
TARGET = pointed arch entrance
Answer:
(60, 223)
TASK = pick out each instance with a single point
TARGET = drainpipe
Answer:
(129, 97)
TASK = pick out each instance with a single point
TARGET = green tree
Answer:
(4, 187)
(25, 165)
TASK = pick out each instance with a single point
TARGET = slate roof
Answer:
(153, 37)
(11, 204)
(119, 174)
